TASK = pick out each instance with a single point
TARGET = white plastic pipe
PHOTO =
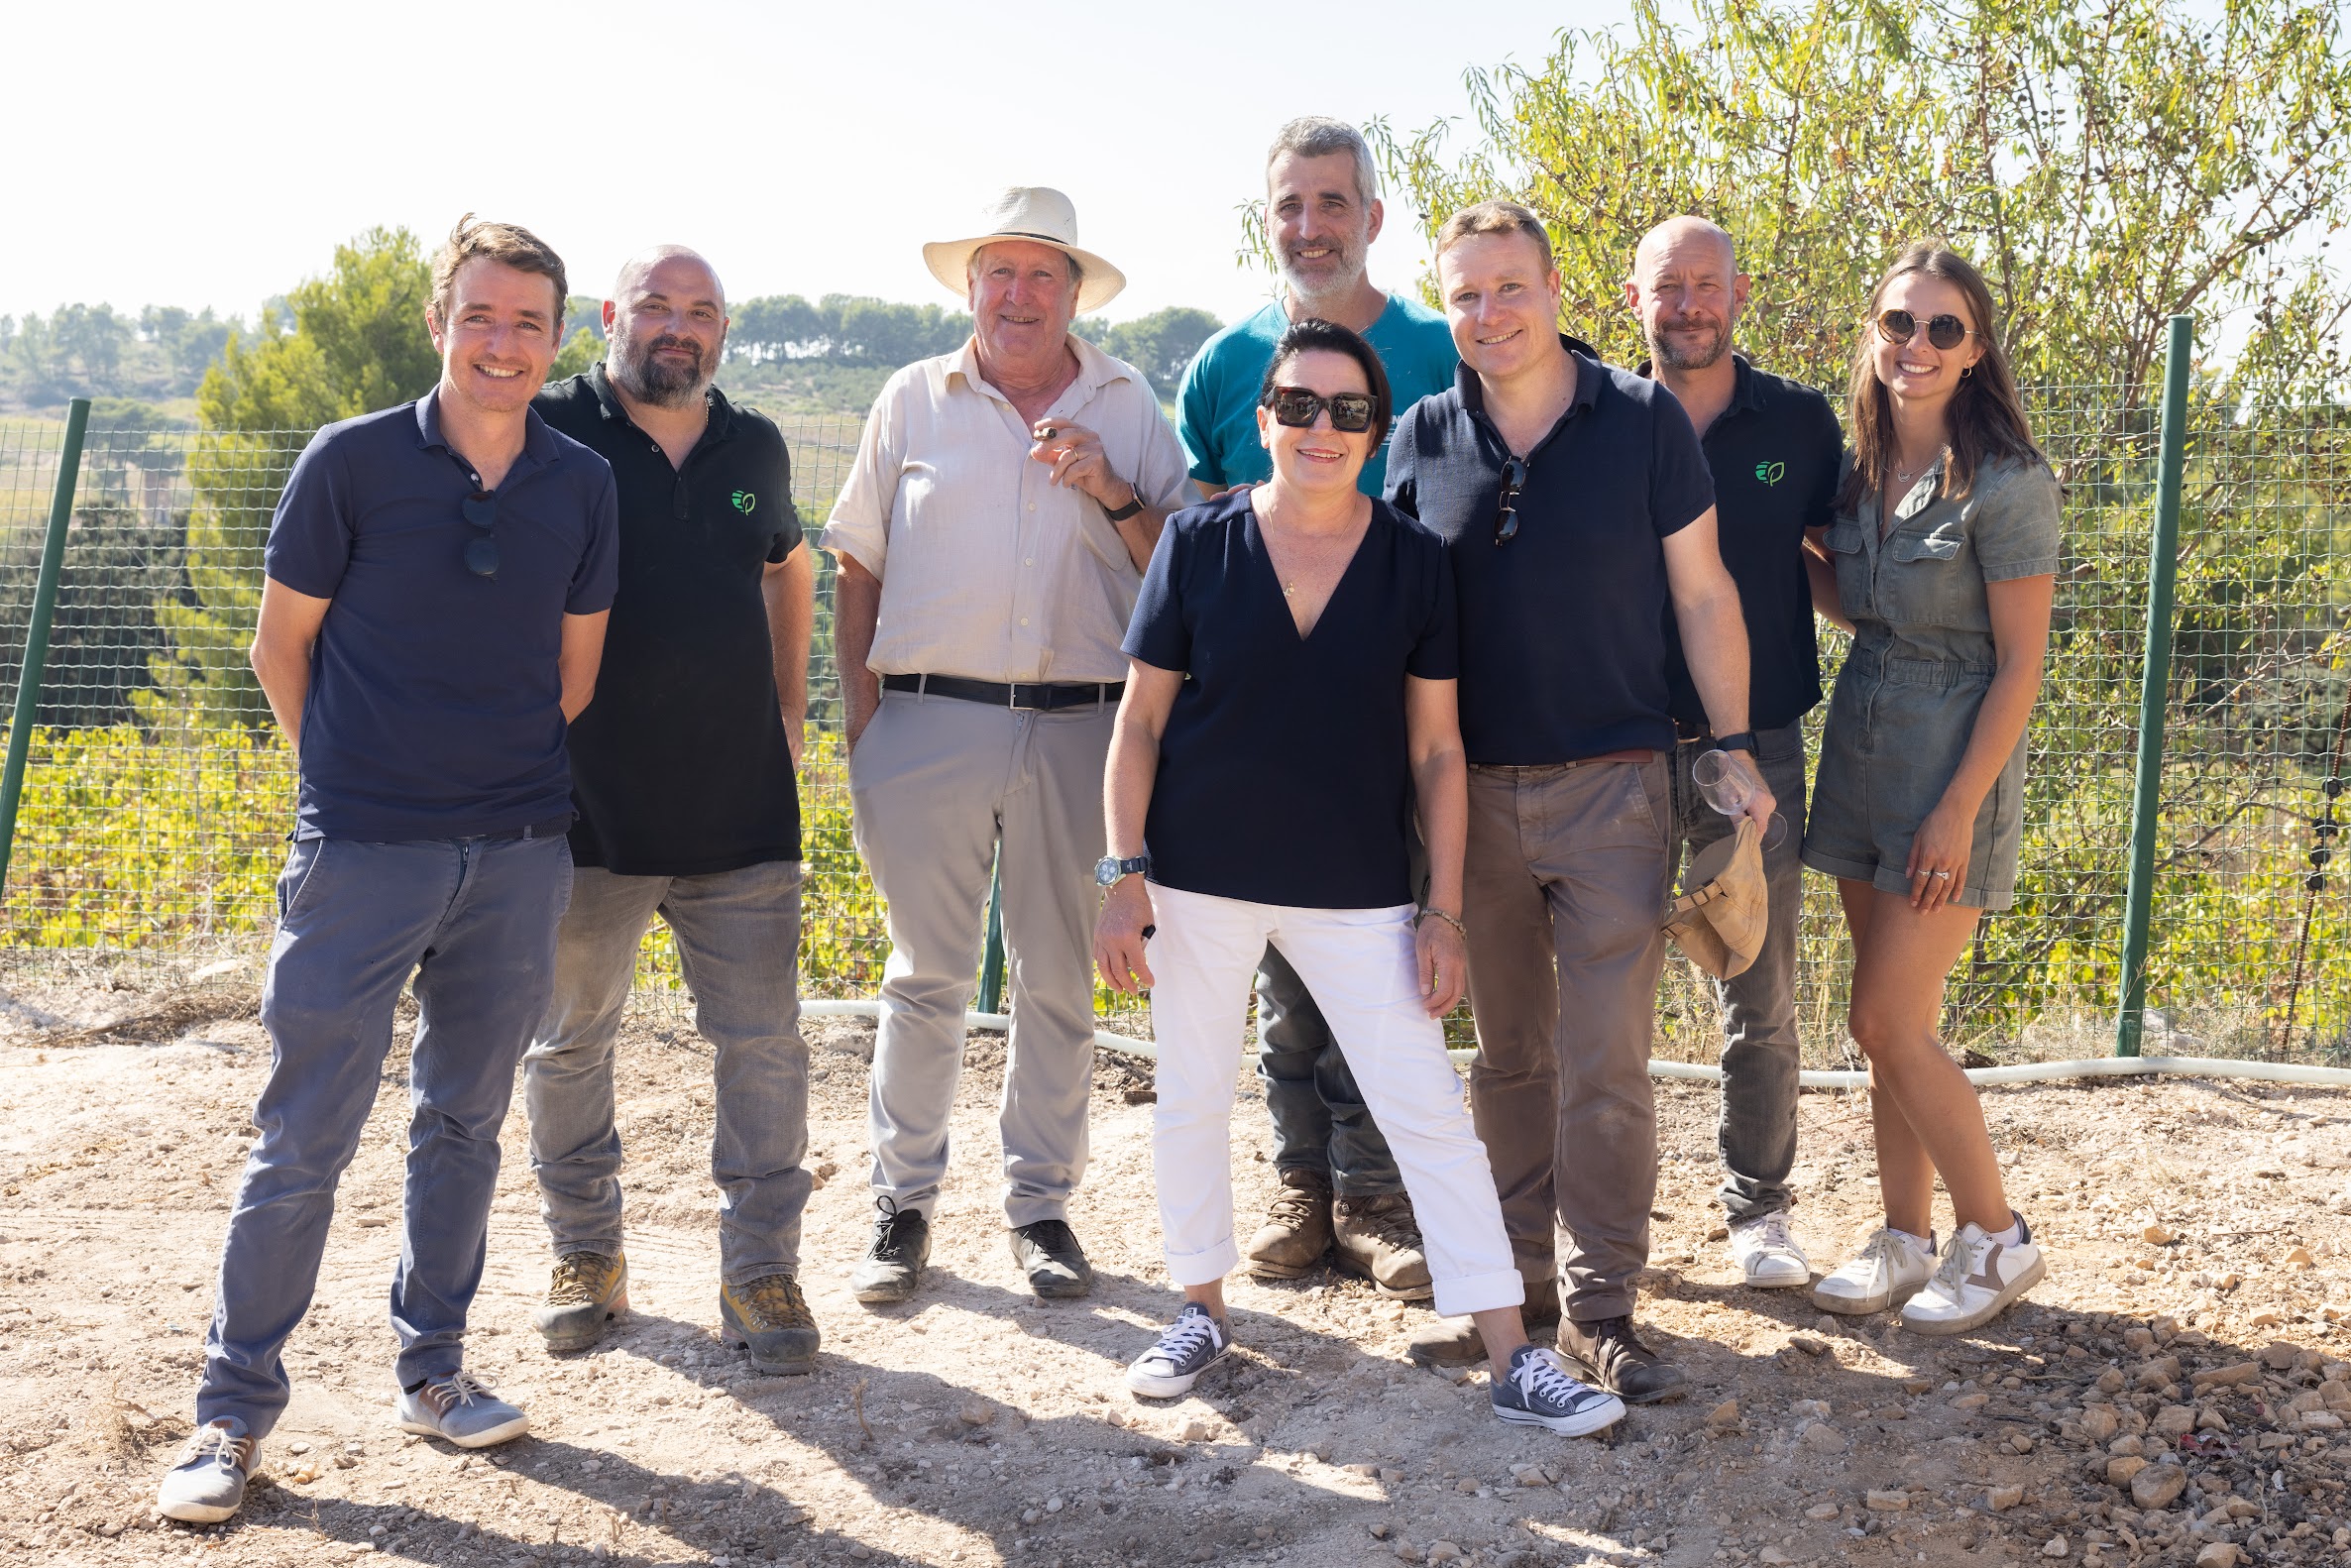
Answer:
(2022, 1073)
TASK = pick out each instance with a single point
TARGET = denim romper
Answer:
(1922, 657)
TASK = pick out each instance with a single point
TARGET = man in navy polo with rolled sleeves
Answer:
(433, 618)
(1775, 450)
(1578, 507)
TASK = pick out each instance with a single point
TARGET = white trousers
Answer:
(1359, 965)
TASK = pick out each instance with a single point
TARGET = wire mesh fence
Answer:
(158, 798)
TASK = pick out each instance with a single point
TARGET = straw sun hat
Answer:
(1041, 215)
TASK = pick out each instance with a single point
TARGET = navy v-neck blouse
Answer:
(1282, 774)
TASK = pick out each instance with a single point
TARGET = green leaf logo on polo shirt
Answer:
(744, 500)
(1771, 473)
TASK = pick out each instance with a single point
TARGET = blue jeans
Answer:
(1319, 1119)
(1761, 1055)
(474, 920)
(737, 936)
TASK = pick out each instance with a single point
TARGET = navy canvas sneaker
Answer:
(1539, 1393)
(1190, 1346)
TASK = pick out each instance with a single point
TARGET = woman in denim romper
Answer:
(1944, 543)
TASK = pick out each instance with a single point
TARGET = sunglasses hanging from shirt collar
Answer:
(1505, 519)
(481, 551)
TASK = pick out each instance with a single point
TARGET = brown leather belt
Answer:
(1629, 754)
(1639, 755)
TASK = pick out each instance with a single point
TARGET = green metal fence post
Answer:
(45, 604)
(2162, 566)
(992, 957)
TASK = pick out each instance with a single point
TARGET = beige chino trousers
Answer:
(939, 784)
(1565, 882)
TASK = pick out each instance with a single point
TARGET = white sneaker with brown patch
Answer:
(1978, 1276)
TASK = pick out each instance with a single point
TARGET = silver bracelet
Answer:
(1427, 910)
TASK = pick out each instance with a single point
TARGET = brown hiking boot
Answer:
(1296, 1231)
(770, 1317)
(587, 1292)
(1610, 1354)
(1456, 1342)
(1378, 1238)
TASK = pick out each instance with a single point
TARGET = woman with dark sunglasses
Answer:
(1289, 699)
(1945, 542)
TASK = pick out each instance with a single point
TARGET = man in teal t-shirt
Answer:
(1339, 1184)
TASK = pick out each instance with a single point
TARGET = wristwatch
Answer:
(1133, 504)
(1743, 741)
(1110, 868)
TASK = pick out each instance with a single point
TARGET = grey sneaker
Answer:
(587, 1292)
(207, 1485)
(460, 1409)
(1193, 1344)
(1539, 1393)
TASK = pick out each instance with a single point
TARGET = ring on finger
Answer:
(1945, 876)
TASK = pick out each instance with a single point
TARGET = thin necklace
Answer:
(1903, 476)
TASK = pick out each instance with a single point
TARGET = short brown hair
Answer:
(1496, 217)
(508, 243)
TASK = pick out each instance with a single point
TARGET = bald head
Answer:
(1685, 238)
(665, 327)
(1687, 291)
(676, 266)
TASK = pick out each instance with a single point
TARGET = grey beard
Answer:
(1334, 293)
(651, 381)
(1673, 359)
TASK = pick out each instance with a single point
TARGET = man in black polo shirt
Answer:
(688, 809)
(1578, 507)
(1774, 449)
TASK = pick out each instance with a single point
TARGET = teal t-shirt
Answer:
(1218, 399)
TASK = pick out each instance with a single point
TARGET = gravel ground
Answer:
(2174, 1392)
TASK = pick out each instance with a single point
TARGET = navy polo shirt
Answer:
(436, 699)
(1775, 452)
(1563, 627)
(1283, 775)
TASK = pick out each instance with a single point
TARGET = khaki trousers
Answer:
(938, 785)
(1565, 884)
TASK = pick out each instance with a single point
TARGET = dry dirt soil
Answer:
(2188, 1332)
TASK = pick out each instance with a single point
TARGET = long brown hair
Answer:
(1985, 415)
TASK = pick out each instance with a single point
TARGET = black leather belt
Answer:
(1040, 696)
(552, 828)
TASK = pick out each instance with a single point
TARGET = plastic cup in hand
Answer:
(1727, 793)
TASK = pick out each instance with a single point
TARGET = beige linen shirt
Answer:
(989, 570)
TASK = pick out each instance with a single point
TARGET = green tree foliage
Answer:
(2106, 162)
(1158, 345)
(357, 344)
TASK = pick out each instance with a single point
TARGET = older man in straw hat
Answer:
(991, 538)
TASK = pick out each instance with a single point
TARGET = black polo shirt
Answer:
(1563, 627)
(679, 767)
(1284, 774)
(1775, 453)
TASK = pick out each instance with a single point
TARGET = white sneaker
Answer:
(1977, 1279)
(1891, 1268)
(1766, 1252)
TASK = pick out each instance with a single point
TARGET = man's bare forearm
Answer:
(285, 682)
(791, 593)
(856, 612)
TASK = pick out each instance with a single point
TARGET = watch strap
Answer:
(1133, 504)
(1741, 741)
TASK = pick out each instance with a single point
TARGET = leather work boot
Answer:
(1610, 1356)
(1048, 1252)
(1456, 1342)
(770, 1317)
(894, 1259)
(587, 1292)
(1378, 1238)
(1296, 1231)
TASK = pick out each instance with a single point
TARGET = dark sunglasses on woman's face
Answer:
(1945, 331)
(1298, 408)
(1514, 480)
(481, 551)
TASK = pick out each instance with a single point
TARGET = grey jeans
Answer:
(1320, 1121)
(737, 936)
(474, 920)
(941, 786)
(1762, 1054)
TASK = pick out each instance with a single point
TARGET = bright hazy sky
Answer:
(215, 155)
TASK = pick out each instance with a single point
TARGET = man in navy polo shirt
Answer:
(1323, 212)
(1774, 449)
(433, 618)
(1578, 507)
(682, 772)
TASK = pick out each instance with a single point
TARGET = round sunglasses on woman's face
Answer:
(1945, 331)
(1298, 408)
